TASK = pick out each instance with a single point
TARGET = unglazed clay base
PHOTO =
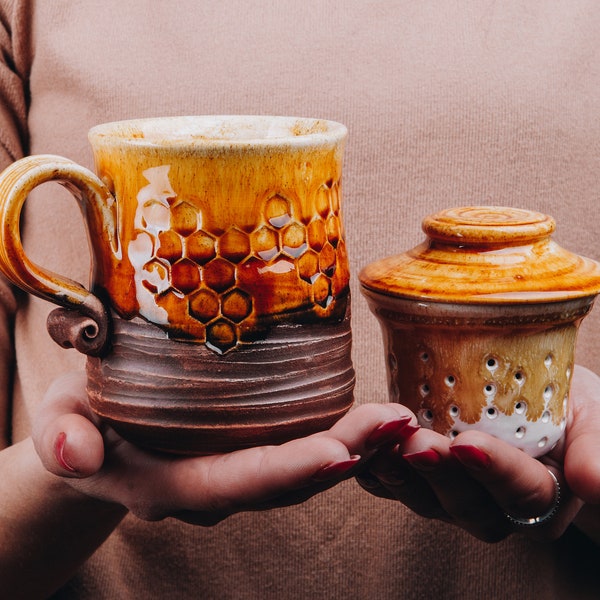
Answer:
(182, 397)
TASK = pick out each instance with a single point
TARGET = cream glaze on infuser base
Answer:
(479, 324)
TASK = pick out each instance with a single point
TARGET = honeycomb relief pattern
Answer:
(217, 287)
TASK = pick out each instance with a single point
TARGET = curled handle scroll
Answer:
(83, 322)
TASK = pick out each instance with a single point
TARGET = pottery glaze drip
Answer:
(480, 321)
(227, 224)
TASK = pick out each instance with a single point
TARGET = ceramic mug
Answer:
(218, 312)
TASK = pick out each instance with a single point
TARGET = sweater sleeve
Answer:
(14, 97)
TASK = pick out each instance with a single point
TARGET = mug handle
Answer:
(83, 322)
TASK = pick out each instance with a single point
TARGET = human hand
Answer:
(475, 480)
(73, 444)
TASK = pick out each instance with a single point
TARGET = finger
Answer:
(388, 475)
(66, 394)
(67, 441)
(206, 489)
(582, 442)
(372, 426)
(249, 479)
(265, 477)
(383, 472)
(404, 473)
(519, 484)
(462, 499)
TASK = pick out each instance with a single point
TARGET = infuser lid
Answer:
(485, 254)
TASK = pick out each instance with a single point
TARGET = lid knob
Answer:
(488, 225)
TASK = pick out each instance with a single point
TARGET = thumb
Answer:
(66, 438)
(582, 449)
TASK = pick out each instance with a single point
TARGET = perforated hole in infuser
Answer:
(568, 373)
(546, 416)
(424, 356)
(450, 380)
(542, 442)
(489, 389)
(520, 407)
(519, 377)
(548, 391)
(454, 411)
(520, 433)
(424, 390)
(452, 434)
(491, 364)
(548, 360)
(426, 415)
(491, 413)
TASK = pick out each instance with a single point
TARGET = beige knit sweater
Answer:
(447, 103)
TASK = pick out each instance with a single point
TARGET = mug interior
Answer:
(219, 130)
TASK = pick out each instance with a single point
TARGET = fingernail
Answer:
(59, 452)
(471, 456)
(336, 469)
(393, 431)
(427, 460)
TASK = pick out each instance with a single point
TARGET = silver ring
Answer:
(535, 521)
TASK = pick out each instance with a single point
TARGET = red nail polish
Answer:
(59, 452)
(427, 460)
(471, 456)
(391, 432)
(407, 431)
(336, 469)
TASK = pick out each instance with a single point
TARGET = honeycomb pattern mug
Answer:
(218, 313)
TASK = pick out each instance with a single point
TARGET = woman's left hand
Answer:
(476, 480)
